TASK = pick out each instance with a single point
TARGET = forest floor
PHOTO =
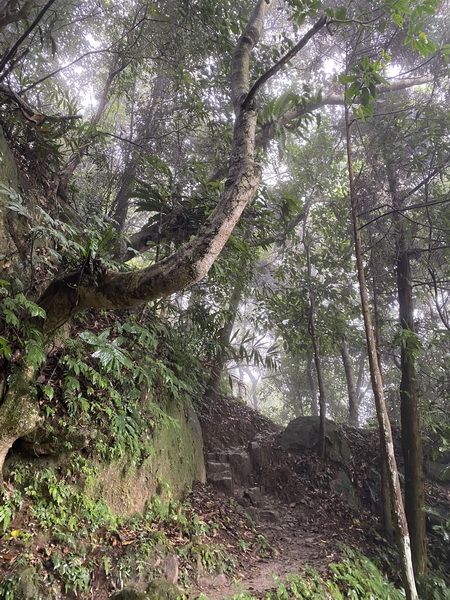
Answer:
(296, 524)
(285, 538)
(291, 521)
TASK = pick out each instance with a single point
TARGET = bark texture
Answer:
(316, 344)
(220, 360)
(187, 266)
(312, 385)
(353, 400)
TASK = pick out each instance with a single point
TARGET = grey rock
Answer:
(303, 434)
(218, 467)
(256, 454)
(225, 484)
(254, 495)
(241, 466)
(269, 516)
(342, 485)
(170, 568)
(218, 455)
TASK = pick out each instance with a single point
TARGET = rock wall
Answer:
(177, 462)
(9, 179)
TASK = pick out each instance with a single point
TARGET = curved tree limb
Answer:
(192, 261)
(9, 55)
(167, 228)
(285, 59)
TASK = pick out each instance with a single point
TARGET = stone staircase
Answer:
(232, 468)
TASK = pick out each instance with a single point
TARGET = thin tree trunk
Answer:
(253, 393)
(386, 505)
(353, 404)
(76, 158)
(212, 385)
(320, 381)
(409, 394)
(359, 381)
(312, 385)
(386, 441)
(316, 346)
(147, 124)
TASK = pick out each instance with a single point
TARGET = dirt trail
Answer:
(298, 538)
(305, 523)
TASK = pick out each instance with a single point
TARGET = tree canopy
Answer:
(212, 158)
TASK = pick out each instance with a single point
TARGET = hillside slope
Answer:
(264, 513)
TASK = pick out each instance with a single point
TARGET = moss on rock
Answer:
(129, 594)
(161, 589)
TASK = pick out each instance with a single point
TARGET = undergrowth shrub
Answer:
(114, 383)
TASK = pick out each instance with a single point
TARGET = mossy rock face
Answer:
(9, 177)
(27, 587)
(177, 461)
(51, 442)
(342, 484)
(129, 594)
(161, 589)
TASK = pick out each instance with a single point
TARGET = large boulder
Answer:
(159, 589)
(302, 434)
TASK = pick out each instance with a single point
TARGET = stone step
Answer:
(221, 482)
(218, 467)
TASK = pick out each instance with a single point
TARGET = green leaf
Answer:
(341, 13)
(365, 97)
(343, 78)
(35, 353)
(48, 391)
(5, 348)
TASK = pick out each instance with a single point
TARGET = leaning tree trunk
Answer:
(80, 290)
(386, 505)
(386, 440)
(411, 425)
(409, 395)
